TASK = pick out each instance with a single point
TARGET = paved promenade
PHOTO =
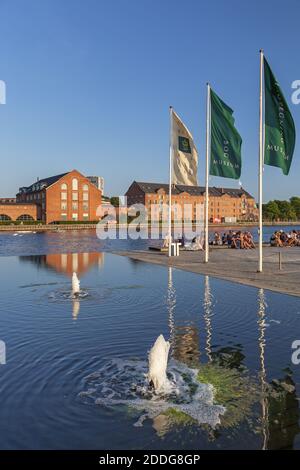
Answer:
(236, 265)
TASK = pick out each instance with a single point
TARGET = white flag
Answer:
(185, 156)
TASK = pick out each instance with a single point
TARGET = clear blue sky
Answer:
(89, 83)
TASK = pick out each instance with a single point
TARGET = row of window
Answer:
(85, 206)
(64, 186)
(64, 196)
(64, 216)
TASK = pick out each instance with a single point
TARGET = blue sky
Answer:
(89, 83)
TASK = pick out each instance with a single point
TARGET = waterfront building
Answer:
(66, 197)
(225, 204)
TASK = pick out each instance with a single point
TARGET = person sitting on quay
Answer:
(285, 239)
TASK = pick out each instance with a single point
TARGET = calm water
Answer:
(84, 240)
(63, 356)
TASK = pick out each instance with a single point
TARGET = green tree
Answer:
(287, 212)
(271, 211)
(115, 201)
(295, 203)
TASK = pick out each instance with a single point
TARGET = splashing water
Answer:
(158, 362)
(125, 382)
(75, 284)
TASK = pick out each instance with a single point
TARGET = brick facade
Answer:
(223, 202)
(14, 211)
(66, 197)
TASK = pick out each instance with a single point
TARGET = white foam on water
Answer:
(125, 383)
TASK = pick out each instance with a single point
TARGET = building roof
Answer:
(150, 188)
(43, 183)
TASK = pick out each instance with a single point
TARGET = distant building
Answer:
(7, 200)
(224, 203)
(98, 181)
(65, 197)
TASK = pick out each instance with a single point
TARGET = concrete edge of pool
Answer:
(235, 265)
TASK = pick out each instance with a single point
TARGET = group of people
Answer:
(234, 239)
(281, 238)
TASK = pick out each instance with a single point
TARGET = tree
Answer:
(295, 203)
(115, 201)
(287, 212)
(271, 211)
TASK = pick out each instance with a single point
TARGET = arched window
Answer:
(25, 217)
(64, 187)
(85, 187)
(75, 184)
(4, 217)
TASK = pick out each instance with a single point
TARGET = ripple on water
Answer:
(124, 383)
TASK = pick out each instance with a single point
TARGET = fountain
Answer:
(158, 361)
(75, 285)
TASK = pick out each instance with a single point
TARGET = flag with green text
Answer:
(185, 156)
(280, 134)
(226, 142)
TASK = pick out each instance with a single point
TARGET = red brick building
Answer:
(10, 211)
(65, 197)
(224, 203)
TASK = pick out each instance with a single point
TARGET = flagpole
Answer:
(170, 182)
(207, 170)
(261, 162)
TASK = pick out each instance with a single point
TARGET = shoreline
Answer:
(65, 227)
(239, 266)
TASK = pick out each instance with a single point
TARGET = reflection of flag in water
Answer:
(185, 156)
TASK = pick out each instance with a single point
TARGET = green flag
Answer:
(225, 159)
(280, 134)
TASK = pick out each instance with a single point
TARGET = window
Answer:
(75, 184)
(85, 187)
(64, 187)
(74, 196)
(25, 217)
(85, 216)
(85, 196)
(74, 216)
(75, 206)
(63, 196)
(63, 216)
(63, 206)
(85, 206)
(4, 217)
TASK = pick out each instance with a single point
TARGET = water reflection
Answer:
(171, 304)
(67, 263)
(208, 312)
(279, 404)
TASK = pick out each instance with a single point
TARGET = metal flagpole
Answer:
(261, 162)
(170, 181)
(207, 170)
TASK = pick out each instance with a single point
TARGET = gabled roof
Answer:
(151, 188)
(45, 182)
